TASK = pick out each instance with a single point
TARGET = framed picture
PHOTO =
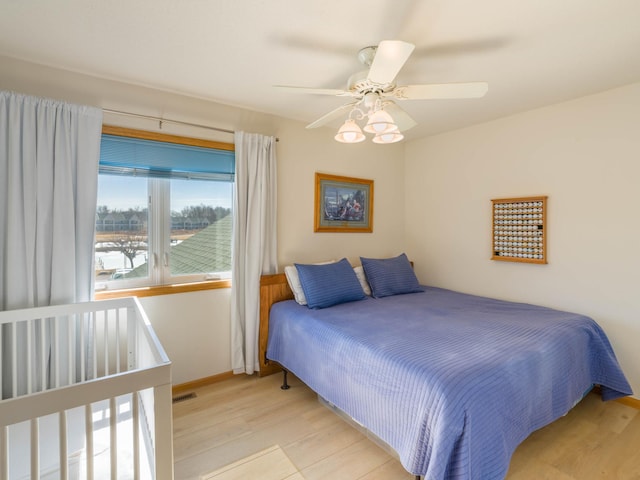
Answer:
(343, 204)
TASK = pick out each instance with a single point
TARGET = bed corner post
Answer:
(273, 288)
(285, 385)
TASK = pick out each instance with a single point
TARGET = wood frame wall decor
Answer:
(519, 228)
(343, 204)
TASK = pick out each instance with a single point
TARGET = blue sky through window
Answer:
(123, 192)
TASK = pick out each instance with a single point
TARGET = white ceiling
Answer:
(531, 52)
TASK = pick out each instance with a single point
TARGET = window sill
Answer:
(162, 289)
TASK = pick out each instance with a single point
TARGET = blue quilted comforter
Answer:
(452, 382)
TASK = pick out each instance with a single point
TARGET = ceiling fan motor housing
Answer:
(361, 85)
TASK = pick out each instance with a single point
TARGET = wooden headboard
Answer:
(273, 288)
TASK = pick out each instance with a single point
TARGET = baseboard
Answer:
(201, 382)
(628, 401)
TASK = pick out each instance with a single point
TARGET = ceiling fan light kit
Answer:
(350, 132)
(391, 137)
(374, 90)
(380, 122)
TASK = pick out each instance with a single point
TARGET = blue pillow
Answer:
(390, 276)
(329, 284)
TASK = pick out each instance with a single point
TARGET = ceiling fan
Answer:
(375, 90)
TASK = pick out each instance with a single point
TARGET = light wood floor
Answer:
(237, 418)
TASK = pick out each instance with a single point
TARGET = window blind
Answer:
(148, 158)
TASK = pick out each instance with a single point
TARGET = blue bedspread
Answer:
(452, 382)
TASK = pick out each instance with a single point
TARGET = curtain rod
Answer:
(166, 120)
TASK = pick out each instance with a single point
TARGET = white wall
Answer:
(194, 330)
(194, 327)
(583, 154)
(305, 152)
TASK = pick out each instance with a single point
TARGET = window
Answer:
(164, 210)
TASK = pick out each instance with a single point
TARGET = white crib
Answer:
(86, 393)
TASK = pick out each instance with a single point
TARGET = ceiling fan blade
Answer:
(390, 56)
(401, 118)
(441, 91)
(315, 91)
(332, 115)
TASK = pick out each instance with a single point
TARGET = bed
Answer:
(92, 401)
(451, 382)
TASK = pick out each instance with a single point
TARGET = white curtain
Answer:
(49, 153)
(254, 243)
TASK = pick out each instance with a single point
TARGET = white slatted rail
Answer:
(101, 356)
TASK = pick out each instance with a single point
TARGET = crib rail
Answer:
(71, 375)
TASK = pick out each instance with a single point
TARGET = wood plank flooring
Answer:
(238, 419)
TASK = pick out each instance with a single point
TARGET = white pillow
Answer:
(363, 279)
(291, 273)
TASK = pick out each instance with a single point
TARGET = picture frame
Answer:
(519, 229)
(343, 204)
